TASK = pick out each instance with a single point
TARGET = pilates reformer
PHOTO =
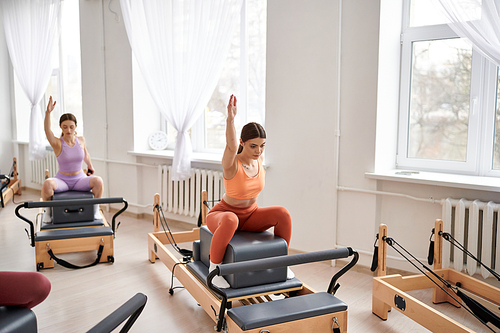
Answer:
(260, 299)
(15, 319)
(72, 229)
(9, 184)
(448, 285)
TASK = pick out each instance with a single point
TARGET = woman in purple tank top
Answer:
(70, 151)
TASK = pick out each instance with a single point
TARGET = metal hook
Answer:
(335, 322)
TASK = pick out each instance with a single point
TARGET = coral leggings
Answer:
(223, 220)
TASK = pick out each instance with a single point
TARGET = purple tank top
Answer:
(70, 159)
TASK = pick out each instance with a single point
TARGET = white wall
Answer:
(301, 108)
(359, 59)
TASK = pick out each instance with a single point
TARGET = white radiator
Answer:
(181, 199)
(475, 225)
(38, 168)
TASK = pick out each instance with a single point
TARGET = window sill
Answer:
(169, 155)
(438, 179)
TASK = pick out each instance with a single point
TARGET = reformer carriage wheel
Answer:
(39, 266)
(111, 259)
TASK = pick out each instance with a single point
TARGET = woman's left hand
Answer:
(90, 171)
(231, 108)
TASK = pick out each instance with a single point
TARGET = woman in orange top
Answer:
(244, 179)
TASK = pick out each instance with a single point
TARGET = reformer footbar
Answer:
(389, 291)
(71, 237)
(302, 309)
(273, 262)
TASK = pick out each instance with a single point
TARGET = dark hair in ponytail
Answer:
(251, 131)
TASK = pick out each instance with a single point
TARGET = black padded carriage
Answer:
(285, 310)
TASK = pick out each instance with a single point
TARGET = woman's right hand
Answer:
(231, 108)
(50, 105)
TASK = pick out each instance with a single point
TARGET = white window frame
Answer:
(481, 128)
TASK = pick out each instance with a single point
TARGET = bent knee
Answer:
(96, 181)
(229, 222)
(283, 214)
(49, 185)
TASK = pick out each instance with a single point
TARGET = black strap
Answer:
(430, 255)
(479, 310)
(200, 220)
(375, 255)
(169, 235)
(66, 264)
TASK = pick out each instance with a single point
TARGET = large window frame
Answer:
(198, 132)
(482, 106)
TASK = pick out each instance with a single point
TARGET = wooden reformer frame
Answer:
(71, 244)
(14, 186)
(157, 249)
(389, 291)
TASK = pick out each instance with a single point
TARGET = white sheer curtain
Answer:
(479, 21)
(31, 31)
(180, 47)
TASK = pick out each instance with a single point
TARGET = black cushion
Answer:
(246, 245)
(17, 320)
(284, 310)
(201, 271)
(55, 234)
(95, 223)
(73, 213)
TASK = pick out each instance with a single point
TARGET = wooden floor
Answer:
(81, 298)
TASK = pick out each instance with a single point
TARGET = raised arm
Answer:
(53, 140)
(229, 157)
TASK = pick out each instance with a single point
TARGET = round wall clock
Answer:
(158, 140)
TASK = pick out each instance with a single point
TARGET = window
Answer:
(243, 75)
(449, 95)
(65, 85)
(65, 82)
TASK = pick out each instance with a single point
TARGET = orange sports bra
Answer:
(243, 187)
